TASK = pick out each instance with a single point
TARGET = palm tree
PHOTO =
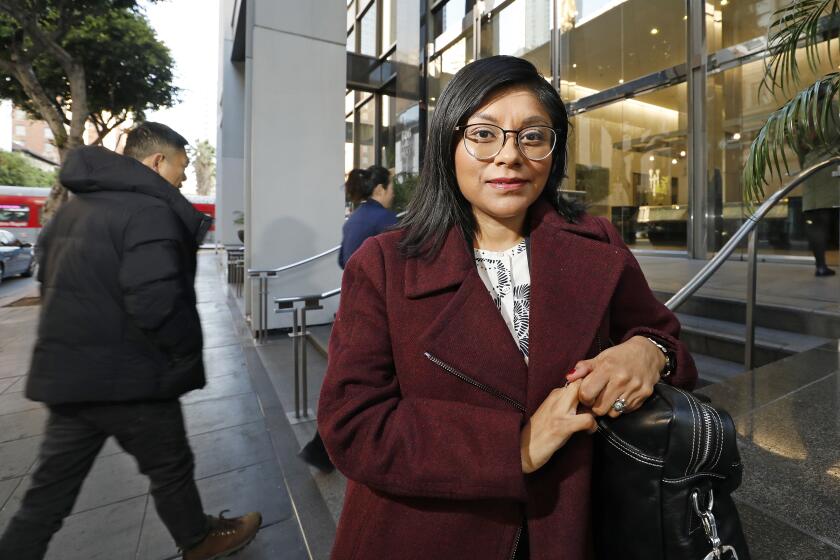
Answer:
(809, 122)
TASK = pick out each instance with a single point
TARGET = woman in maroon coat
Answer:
(474, 346)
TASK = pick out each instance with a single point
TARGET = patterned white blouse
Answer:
(506, 276)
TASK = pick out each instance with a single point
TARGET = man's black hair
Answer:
(150, 137)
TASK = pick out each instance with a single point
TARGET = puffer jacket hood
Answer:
(93, 169)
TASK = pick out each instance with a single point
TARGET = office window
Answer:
(448, 20)
(389, 25)
(367, 32)
(521, 29)
(365, 133)
(443, 68)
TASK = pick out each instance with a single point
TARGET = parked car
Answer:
(16, 257)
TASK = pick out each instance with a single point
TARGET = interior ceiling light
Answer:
(621, 81)
(674, 161)
(682, 153)
(654, 31)
(724, 2)
(736, 136)
(651, 158)
(685, 18)
(574, 65)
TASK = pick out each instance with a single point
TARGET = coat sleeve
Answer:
(634, 311)
(152, 280)
(405, 446)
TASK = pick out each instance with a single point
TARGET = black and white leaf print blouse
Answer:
(508, 280)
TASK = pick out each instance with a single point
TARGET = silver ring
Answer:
(619, 405)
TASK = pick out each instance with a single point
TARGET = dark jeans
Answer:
(153, 432)
(817, 226)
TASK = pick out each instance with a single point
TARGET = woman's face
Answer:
(501, 189)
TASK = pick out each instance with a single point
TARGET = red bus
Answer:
(22, 210)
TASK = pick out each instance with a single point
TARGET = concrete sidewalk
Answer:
(237, 465)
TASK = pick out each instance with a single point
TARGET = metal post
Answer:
(295, 339)
(304, 373)
(264, 308)
(752, 262)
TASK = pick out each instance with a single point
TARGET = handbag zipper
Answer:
(477, 384)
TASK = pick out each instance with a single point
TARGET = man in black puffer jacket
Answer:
(119, 340)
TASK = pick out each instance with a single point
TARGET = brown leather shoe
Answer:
(226, 536)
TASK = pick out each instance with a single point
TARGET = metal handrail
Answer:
(312, 297)
(257, 272)
(748, 228)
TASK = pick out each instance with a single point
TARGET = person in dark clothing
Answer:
(372, 192)
(119, 341)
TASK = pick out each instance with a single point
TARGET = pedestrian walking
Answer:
(475, 344)
(371, 190)
(119, 341)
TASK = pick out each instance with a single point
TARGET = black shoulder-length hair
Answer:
(437, 203)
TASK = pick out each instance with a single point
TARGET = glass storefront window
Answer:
(736, 109)
(365, 133)
(607, 43)
(389, 25)
(731, 22)
(627, 161)
(367, 32)
(443, 68)
(521, 29)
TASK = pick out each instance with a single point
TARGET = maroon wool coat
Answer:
(426, 393)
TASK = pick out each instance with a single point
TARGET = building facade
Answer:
(664, 100)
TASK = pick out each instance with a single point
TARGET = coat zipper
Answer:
(486, 388)
(494, 392)
(516, 543)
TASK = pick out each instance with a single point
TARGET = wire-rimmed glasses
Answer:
(485, 141)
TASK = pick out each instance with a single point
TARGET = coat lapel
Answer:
(574, 272)
(469, 334)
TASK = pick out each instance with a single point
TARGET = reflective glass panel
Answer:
(387, 134)
(627, 161)
(737, 108)
(351, 13)
(367, 32)
(444, 67)
(365, 132)
(389, 24)
(448, 20)
(351, 41)
(521, 29)
(731, 22)
(348, 143)
(605, 43)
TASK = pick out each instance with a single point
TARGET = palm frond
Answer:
(791, 27)
(808, 123)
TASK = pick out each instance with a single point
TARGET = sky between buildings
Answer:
(190, 28)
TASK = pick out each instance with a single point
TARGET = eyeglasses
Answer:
(485, 141)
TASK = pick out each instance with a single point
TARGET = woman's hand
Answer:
(551, 426)
(628, 371)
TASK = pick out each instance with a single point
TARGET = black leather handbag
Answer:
(662, 481)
